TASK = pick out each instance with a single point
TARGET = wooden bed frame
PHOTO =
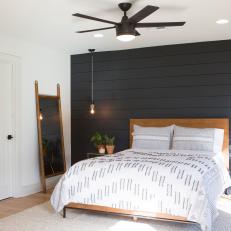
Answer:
(196, 123)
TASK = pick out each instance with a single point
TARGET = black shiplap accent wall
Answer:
(187, 80)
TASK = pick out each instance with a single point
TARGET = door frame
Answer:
(15, 148)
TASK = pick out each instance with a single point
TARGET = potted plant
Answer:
(110, 143)
(98, 141)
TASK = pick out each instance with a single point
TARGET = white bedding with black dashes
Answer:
(181, 183)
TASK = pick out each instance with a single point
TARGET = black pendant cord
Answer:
(92, 79)
(92, 75)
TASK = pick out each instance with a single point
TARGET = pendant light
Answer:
(41, 114)
(92, 105)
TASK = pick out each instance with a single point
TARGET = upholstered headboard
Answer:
(194, 123)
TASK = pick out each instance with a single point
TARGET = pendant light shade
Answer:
(92, 105)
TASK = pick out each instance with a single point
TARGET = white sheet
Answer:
(181, 183)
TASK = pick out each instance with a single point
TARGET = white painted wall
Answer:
(49, 67)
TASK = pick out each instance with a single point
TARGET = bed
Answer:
(115, 176)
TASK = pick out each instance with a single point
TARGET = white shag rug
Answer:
(43, 218)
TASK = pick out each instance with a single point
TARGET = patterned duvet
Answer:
(181, 183)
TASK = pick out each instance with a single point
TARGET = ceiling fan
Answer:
(126, 29)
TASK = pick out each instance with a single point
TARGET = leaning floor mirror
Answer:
(50, 135)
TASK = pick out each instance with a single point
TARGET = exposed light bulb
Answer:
(126, 37)
(92, 109)
(41, 116)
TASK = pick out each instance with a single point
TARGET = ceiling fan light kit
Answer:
(126, 28)
(125, 37)
(125, 32)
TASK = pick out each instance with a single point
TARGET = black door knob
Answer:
(9, 137)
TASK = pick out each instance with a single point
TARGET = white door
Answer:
(6, 74)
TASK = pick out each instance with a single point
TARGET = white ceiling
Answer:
(50, 23)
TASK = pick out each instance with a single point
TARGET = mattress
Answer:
(179, 183)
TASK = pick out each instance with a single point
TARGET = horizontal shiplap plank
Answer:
(159, 92)
(102, 77)
(186, 70)
(144, 65)
(157, 112)
(137, 104)
(153, 83)
(219, 57)
(160, 51)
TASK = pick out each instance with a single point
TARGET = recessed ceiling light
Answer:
(222, 21)
(98, 35)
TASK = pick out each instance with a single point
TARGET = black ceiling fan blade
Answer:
(145, 12)
(159, 24)
(105, 28)
(93, 18)
(137, 33)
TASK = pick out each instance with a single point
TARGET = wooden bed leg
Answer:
(135, 218)
(64, 212)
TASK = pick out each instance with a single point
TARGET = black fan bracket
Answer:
(125, 6)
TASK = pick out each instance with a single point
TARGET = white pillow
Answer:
(155, 138)
(199, 139)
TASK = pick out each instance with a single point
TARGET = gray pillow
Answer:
(199, 139)
(154, 138)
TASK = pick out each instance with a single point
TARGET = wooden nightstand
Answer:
(91, 154)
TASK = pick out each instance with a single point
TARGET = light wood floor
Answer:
(15, 205)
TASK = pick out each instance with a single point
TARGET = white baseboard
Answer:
(27, 190)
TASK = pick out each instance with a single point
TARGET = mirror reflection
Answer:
(53, 154)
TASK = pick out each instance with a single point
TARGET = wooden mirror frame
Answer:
(43, 177)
